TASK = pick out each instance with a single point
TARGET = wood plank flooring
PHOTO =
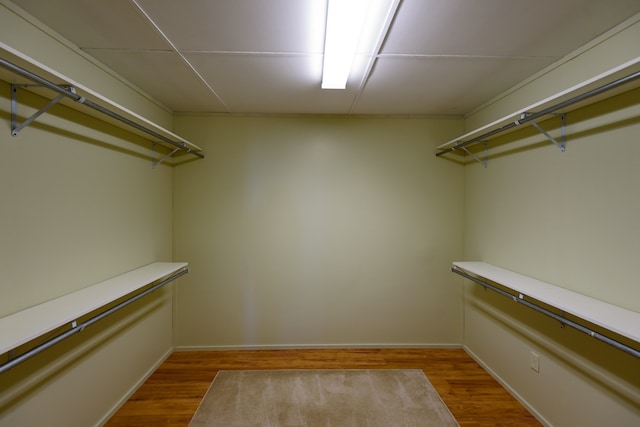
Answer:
(171, 395)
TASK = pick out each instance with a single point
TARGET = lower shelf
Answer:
(26, 325)
(611, 317)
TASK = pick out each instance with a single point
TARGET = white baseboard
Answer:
(310, 346)
(135, 387)
(511, 391)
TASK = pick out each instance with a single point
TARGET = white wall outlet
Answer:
(534, 362)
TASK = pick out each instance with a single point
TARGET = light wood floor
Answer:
(172, 393)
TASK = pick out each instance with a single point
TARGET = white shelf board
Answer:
(601, 79)
(617, 319)
(23, 326)
(36, 67)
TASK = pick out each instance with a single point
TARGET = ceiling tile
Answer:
(97, 24)
(292, 26)
(271, 83)
(439, 85)
(502, 27)
(164, 75)
(440, 57)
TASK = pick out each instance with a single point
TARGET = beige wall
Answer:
(318, 231)
(311, 231)
(78, 206)
(76, 212)
(569, 219)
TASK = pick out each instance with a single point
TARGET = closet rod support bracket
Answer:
(485, 161)
(15, 127)
(155, 163)
(561, 321)
(562, 145)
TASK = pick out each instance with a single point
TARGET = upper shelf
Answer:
(614, 81)
(19, 69)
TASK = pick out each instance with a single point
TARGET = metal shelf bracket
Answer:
(15, 127)
(155, 163)
(562, 145)
(485, 161)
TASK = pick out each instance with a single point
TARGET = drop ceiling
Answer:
(438, 57)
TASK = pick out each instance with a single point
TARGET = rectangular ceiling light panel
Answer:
(347, 22)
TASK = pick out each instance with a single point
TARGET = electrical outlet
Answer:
(534, 362)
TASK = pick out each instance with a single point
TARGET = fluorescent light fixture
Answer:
(345, 19)
(353, 26)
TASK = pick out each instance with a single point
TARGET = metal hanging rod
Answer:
(563, 320)
(75, 327)
(70, 93)
(528, 117)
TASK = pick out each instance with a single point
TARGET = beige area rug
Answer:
(327, 398)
